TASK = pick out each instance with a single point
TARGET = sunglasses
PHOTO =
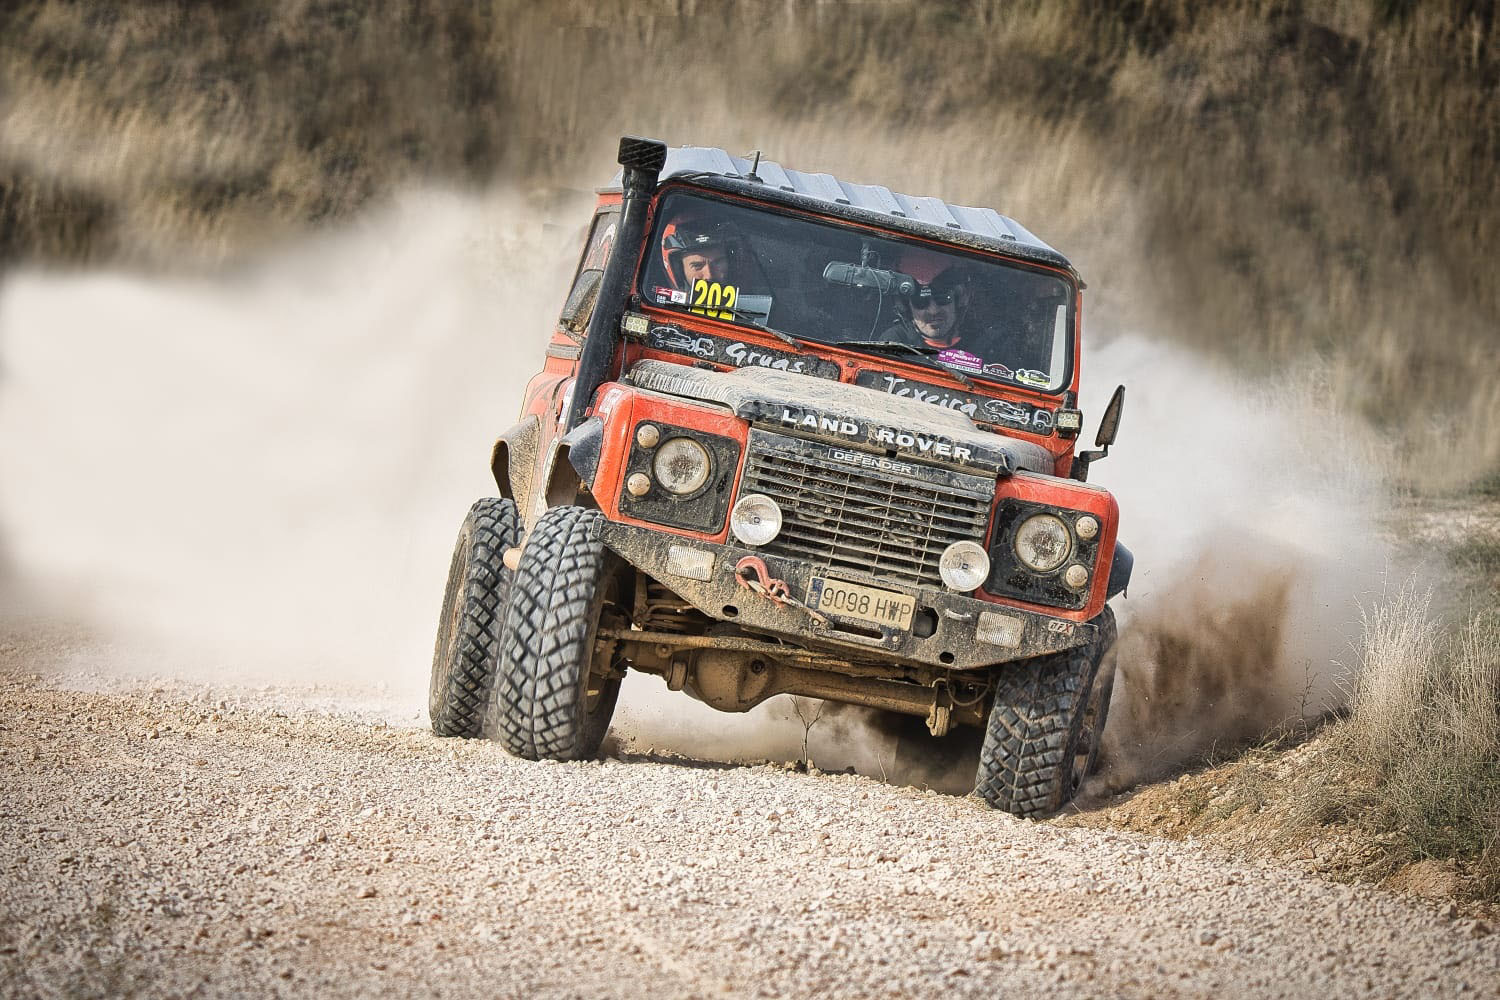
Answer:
(926, 296)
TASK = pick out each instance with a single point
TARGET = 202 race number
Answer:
(713, 299)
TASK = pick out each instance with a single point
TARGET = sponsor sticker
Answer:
(1003, 411)
(962, 360)
(665, 337)
(669, 295)
(982, 408)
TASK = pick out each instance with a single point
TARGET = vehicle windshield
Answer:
(819, 281)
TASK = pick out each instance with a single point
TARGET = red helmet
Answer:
(935, 274)
(922, 265)
(687, 234)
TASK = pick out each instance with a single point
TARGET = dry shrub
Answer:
(1425, 730)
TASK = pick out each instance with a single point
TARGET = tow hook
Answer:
(751, 573)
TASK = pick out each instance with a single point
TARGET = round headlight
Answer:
(681, 465)
(964, 565)
(755, 519)
(1043, 543)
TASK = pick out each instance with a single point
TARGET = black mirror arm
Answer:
(1084, 459)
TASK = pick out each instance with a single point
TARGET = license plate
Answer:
(865, 604)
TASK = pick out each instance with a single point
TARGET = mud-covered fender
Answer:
(573, 464)
(584, 444)
(1119, 571)
(513, 459)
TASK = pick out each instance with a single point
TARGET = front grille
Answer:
(891, 523)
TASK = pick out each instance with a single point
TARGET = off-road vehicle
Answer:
(796, 435)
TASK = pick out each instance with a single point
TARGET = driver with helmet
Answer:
(694, 248)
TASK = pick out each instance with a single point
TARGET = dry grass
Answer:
(1289, 183)
(1425, 730)
(1404, 789)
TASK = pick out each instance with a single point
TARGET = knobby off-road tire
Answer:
(1045, 725)
(553, 698)
(1096, 712)
(467, 652)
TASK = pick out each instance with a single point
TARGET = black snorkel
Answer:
(641, 160)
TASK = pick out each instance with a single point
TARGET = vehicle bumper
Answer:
(968, 634)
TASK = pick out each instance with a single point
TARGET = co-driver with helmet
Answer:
(933, 316)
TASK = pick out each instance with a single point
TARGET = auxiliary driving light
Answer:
(1076, 576)
(681, 465)
(755, 519)
(689, 562)
(1043, 542)
(1087, 527)
(964, 565)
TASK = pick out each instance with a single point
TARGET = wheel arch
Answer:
(513, 459)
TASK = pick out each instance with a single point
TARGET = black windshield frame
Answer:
(843, 241)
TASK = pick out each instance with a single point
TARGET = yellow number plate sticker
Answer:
(713, 299)
(866, 604)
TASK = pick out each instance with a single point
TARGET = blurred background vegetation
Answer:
(1304, 188)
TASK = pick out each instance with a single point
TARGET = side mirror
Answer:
(580, 305)
(1109, 425)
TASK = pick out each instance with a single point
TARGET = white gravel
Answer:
(177, 841)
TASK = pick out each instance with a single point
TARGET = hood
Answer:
(847, 414)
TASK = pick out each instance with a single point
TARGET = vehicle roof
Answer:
(928, 217)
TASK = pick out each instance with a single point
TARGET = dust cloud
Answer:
(1253, 513)
(254, 478)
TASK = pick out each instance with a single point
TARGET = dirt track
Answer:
(176, 841)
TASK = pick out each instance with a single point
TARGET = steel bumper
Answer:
(967, 634)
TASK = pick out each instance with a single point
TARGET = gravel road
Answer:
(175, 840)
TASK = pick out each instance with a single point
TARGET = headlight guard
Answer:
(1052, 544)
(704, 506)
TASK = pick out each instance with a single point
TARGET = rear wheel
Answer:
(557, 688)
(467, 650)
(1044, 727)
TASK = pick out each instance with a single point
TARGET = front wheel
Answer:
(556, 691)
(1045, 725)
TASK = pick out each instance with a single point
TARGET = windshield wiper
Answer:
(925, 354)
(784, 337)
(755, 310)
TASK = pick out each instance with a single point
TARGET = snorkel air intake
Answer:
(641, 160)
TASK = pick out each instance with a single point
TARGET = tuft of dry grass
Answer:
(1405, 785)
(1425, 729)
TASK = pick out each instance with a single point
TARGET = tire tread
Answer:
(458, 699)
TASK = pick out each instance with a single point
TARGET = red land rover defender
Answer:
(795, 435)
